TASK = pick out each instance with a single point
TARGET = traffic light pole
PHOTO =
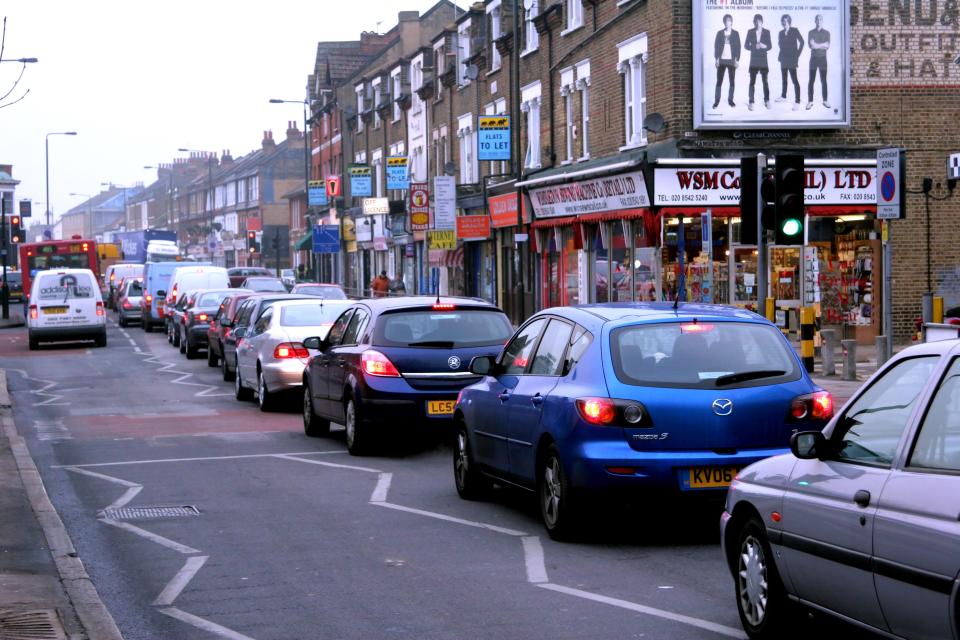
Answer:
(761, 241)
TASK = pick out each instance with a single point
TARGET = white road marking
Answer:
(533, 558)
(206, 625)
(94, 474)
(180, 581)
(133, 342)
(289, 456)
(446, 518)
(153, 537)
(237, 457)
(650, 611)
(51, 430)
(52, 398)
(127, 496)
(382, 489)
(137, 349)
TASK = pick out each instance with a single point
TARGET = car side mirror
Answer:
(161, 294)
(483, 365)
(239, 333)
(808, 445)
(225, 322)
(313, 342)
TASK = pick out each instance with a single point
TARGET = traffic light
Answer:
(789, 188)
(16, 229)
(252, 245)
(768, 196)
(748, 200)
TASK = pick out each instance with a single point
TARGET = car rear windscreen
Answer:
(66, 286)
(701, 355)
(427, 328)
(330, 293)
(305, 315)
(211, 299)
(125, 270)
(264, 284)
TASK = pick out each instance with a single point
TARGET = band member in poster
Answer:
(758, 44)
(790, 43)
(726, 56)
(818, 41)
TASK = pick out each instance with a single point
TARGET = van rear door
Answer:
(67, 299)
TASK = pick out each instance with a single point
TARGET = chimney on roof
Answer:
(268, 142)
(225, 158)
(293, 133)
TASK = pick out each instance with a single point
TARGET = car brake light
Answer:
(113, 277)
(597, 410)
(202, 317)
(226, 332)
(99, 308)
(444, 306)
(290, 350)
(33, 312)
(149, 298)
(127, 305)
(822, 405)
(375, 363)
(695, 327)
(816, 406)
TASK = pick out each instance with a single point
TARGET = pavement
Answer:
(44, 587)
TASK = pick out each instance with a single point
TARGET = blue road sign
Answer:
(326, 238)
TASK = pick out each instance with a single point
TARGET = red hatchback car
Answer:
(221, 325)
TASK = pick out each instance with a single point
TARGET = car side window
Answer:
(244, 314)
(938, 443)
(549, 359)
(870, 430)
(355, 330)
(264, 321)
(516, 356)
(579, 341)
(335, 337)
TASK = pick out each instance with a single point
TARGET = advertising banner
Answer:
(720, 186)
(442, 240)
(493, 138)
(473, 227)
(375, 206)
(771, 65)
(444, 202)
(361, 180)
(316, 193)
(503, 210)
(419, 206)
(398, 172)
(610, 193)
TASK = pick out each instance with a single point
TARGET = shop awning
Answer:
(305, 243)
(546, 223)
(624, 214)
(842, 210)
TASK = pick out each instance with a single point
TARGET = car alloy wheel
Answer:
(356, 435)
(313, 426)
(470, 483)
(557, 507)
(762, 602)
(241, 392)
(552, 493)
(752, 580)
(228, 375)
(264, 397)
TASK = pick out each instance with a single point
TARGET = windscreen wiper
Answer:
(442, 344)
(743, 376)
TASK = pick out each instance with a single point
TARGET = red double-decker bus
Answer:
(76, 253)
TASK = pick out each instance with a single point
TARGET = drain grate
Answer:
(30, 625)
(144, 513)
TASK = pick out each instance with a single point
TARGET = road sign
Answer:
(326, 238)
(316, 193)
(493, 138)
(890, 168)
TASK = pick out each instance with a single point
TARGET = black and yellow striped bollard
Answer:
(807, 328)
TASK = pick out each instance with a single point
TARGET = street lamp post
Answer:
(306, 171)
(47, 162)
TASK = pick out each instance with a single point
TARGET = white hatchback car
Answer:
(66, 304)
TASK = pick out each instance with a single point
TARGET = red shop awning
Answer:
(719, 212)
(623, 214)
(842, 209)
(546, 223)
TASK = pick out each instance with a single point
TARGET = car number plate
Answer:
(440, 407)
(707, 477)
(54, 310)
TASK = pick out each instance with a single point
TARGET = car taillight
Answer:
(113, 277)
(127, 305)
(597, 410)
(149, 298)
(226, 332)
(202, 317)
(33, 312)
(615, 413)
(99, 308)
(444, 306)
(695, 327)
(375, 363)
(816, 406)
(290, 350)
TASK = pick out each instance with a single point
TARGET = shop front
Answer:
(515, 262)
(473, 234)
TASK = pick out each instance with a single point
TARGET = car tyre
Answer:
(558, 508)
(240, 391)
(181, 341)
(471, 484)
(101, 340)
(122, 321)
(313, 425)
(147, 325)
(34, 343)
(212, 359)
(762, 602)
(228, 375)
(266, 400)
(192, 350)
(357, 433)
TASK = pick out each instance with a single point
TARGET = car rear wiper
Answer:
(733, 378)
(442, 344)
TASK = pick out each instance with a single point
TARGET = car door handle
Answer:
(504, 396)
(341, 362)
(862, 498)
(537, 400)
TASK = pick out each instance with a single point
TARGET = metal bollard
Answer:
(828, 348)
(881, 344)
(807, 329)
(849, 359)
(938, 309)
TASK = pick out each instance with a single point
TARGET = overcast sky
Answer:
(137, 80)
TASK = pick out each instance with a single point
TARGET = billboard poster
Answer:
(597, 195)
(419, 206)
(361, 180)
(763, 64)
(398, 173)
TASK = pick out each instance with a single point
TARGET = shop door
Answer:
(743, 276)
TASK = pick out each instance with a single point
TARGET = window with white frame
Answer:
(416, 83)
(567, 88)
(360, 157)
(494, 15)
(530, 106)
(583, 86)
(395, 90)
(377, 95)
(574, 14)
(463, 52)
(360, 106)
(632, 65)
(531, 39)
(439, 66)
(376, 162)
(441, 150)
(467, 141)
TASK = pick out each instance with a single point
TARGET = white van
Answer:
(66, 304)
(190, 278)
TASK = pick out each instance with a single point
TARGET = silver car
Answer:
(270, 353)
(128, 301)
(862, 521)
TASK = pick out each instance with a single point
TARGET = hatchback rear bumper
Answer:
(88, 332)
(394, 402)
(283, 374)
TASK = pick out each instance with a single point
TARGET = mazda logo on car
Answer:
(722, 406)
(454, 362)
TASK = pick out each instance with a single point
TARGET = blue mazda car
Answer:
(590, 401)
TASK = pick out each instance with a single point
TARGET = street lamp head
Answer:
(69, 133)
(27, 60)
(276, 101)
(181, 150)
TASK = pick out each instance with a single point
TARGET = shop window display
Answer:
(705, 268)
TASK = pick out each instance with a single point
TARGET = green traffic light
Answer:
(791, 227)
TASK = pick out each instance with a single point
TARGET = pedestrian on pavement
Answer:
(380, 285)
(726, 56)
(818, 41)
(790, 43)
(397, 287)
(758, 44)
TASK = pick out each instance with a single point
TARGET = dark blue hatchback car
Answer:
(392, 364)
(630, 397)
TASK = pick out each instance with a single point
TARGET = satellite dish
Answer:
(654, 122)
(449, 169)
(471, 72)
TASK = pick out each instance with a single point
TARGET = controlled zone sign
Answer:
(493, 138)
(890, 168)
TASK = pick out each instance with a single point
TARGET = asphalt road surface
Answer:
(293, 539)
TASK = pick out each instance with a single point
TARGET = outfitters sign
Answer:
(764, 65)
(613, 193)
